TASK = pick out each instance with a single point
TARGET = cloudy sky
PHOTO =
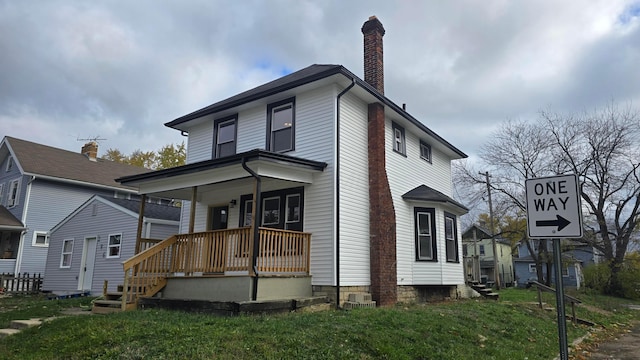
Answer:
(119, 70)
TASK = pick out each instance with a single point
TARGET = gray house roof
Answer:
(63, 165)
(301, 77)
(425, 193)
(8, 221)
(151, 210)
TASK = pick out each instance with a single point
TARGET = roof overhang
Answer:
(423, 193)
(178, 182)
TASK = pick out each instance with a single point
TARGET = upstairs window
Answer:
(481, 249)
(399, 144)
(225, 137)
(1, 193)
(425, 234)
(425, 151)
(281, 126)
(451, 238)
(9, 163)
(113, 248)
(12, 199)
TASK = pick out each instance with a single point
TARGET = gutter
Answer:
(353, 83)
(256, 229)
(82, 183)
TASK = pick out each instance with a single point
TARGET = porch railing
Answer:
(213, 252)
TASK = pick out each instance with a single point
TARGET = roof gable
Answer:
(425, 193)
(8, 220)
(67, 166)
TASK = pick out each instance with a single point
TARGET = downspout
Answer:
(256, 229)
(353, 82)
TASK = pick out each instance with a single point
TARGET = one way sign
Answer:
(553, 207)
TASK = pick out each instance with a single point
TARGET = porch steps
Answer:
(111, 303)
(484, 291)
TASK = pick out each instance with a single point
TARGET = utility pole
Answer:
(496, 271)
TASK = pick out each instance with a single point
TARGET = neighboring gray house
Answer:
(575, 257)
(90, 244)
(39, 186)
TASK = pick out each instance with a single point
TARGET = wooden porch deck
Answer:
(219, 252)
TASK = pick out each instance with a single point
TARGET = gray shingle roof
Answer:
(8, 220)
(38, 159)
(151, 210)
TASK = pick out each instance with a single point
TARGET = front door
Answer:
(218, 217)
(85, 278)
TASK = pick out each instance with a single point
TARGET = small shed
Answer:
(90, 244)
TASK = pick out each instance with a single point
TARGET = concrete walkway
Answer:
(18, 325)
(624, 347)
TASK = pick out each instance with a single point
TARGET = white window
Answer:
(281, 126)
(450, 237)
(248, 210)
(532, 268)
(40, 238)
(225, 138)
(113, 249)
(425, 239)
(1, 193)
(9, 164)
(398, 139)
(12, 199)
(425, 151)
(67, 251)
(271, 211)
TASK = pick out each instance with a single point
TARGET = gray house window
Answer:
(67, 252)
(1, 193)
(12, 199)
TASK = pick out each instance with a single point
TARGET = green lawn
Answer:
(512, 328)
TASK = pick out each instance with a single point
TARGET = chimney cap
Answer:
(373, 24)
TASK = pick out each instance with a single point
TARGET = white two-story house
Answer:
(317, 175)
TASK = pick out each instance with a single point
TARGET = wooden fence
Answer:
(20, 283)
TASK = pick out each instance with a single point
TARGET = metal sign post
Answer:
(554, 211)
(562, 318)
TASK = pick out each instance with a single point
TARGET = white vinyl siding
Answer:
(200, 142)
(436, 175)
(252, 128)
(354, 192)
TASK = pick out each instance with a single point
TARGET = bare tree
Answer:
(602, 147)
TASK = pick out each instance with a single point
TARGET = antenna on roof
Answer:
(92, 139)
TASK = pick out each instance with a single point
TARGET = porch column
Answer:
(192, 220)
(143, 200)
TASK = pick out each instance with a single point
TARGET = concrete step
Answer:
(23, 324)
(8, 332)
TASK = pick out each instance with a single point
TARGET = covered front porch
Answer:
(267, 256)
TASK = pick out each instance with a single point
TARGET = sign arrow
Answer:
(560, 222)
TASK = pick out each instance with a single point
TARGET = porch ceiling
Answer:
(177, 182)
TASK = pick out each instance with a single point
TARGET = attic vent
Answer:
(359, 301)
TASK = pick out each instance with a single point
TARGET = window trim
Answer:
(10, 193)
(428, 147)
(395, 127)
(270, 109)
(109, 246)
(532, 269)
(63, 253)
(432, 228)
(9, 164)
(449, 216)
(264, 207)
(216, 127)
(35, 237)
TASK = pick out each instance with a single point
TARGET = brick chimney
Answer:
(373, 64)
(382, 216)
(90, 150)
